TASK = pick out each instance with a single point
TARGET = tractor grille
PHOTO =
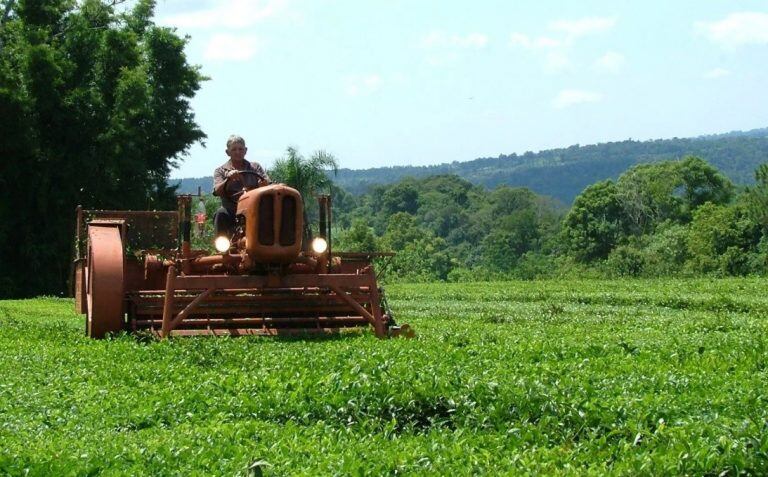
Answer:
(267, 220)
(267, 210)
(287, 225)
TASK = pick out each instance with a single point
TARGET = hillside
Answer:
(563, 173)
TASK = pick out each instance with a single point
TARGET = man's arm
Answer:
(219, 181)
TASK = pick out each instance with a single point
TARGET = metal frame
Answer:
(344, 289)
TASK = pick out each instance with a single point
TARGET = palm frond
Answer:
(308, 176)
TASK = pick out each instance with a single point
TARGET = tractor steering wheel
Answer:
(237, 195)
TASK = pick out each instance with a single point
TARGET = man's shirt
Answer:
(236, 183)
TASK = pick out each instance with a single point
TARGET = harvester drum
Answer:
(136, 270)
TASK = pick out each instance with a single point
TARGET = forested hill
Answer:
(564, 173)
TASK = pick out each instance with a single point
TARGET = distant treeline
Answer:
(678, 217)
(564, 173)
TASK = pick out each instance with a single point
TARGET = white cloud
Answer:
(362, 85)
(737, 29)
(541, 42)
(611, 62)
(570, 29)
(570, 97)
(443, 49)
(230, 47)
(230, 14)
(717, 73)
(582, 26)
(438, 39)
(555, 51)
(557, 61)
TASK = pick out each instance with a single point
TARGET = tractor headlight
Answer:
(222, 244)
(319, 245)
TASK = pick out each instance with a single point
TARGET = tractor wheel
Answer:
(104, 281)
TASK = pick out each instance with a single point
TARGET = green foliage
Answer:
(636, 223)
(625, 261)
(402, 197)
(536, 265)
(756, 198)
(307, 175)
(625, 377)
(595, 223)
(359, 237)
(563, 173)
(656, 220)
(666, 251)
(670, 190)
(422, 260)
(719, 239)
(95, 111)
(453, 224)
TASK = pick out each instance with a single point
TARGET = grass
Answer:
(597, 377)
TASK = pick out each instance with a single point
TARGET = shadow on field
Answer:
(146, 337)
(314, 337)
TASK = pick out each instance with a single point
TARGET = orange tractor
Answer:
(136, 270)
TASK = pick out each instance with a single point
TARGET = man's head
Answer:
(236, 148)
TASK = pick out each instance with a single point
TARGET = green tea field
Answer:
(625, 377)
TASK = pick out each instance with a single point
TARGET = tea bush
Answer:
(623, 377)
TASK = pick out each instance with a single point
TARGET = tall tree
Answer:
(670, 190)
(94, 106)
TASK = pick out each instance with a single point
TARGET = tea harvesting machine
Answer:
(136, 270)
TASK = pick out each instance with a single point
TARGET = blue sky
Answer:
(393, 82)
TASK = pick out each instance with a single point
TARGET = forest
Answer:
(563, 173)
(94, 111)
(678, 217)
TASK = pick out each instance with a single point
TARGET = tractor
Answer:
(136, 271)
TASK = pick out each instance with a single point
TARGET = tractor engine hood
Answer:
(274, 223)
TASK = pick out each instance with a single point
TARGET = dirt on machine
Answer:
(136, 271)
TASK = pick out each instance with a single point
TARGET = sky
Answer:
(417, 82)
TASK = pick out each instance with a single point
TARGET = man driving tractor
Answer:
(229, 181)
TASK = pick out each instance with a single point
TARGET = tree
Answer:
(308, 176)
(402, 229)
(702, 183)
(646, 193)
(513, 236)
(95, 111)
(720, 238)
(669, 190)
(756, 198)
(305, 175)
(358, 238)
(595, 223)
(425, 259)
(401, 197)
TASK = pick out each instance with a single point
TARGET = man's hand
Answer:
(232, 173)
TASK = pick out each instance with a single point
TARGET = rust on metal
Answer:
(104, 294)
(189, 308)
(170, 292)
